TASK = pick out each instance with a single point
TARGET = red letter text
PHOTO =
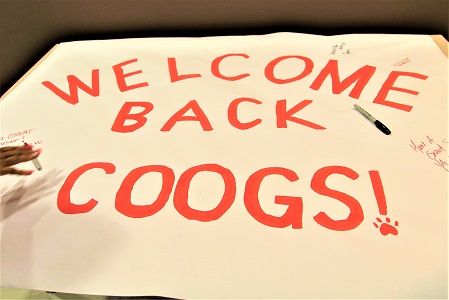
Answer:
(74, 85)
(293, 214)
(123, 199)
(124, 114)
(318, 184)
(216, 70)
(64, 203)
(181, 195)
(388, 86)
(232, 114)
(120, 76)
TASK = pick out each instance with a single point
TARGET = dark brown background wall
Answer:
(29, 28)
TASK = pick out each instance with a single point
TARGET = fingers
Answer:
(10, 156)
(14, 150)
(13, 171)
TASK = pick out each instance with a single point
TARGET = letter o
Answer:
(269, 69)
(181, 194)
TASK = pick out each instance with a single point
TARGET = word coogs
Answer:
(291, 217)
(359, 78)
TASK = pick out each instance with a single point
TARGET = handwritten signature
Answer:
(433, 150)
(340, 48)
(402, 62)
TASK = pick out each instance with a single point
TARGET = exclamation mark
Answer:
(378, 188)
(378, 192)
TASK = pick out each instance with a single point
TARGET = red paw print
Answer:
(385, 227)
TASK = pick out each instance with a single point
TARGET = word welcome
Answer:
(359, 79)
(292, 216)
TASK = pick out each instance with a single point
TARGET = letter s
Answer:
(318, 184)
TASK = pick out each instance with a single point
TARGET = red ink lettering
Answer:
(283, 115)
(293, 214)
(120, 76)
(360, 77)
(74, 85)
(292, 217)
(181, 194)
(441, 163)
(123, 202)
(64, 202)
(419, 147)
(378, 191)
(173, 70)
(389, 86)
(318, 184)
(125, 114)
(232, 114)
(433, 154)
(269, 69)
(199, 116)
(216, 70)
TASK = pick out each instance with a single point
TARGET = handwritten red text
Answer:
(433, 150)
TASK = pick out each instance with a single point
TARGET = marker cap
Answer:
(382, 127)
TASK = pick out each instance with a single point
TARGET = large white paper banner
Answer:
(231, 167)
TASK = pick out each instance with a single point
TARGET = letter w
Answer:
(74, 85)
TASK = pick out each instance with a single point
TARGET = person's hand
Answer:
(12, 155)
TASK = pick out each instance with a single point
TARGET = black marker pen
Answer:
(373, 120)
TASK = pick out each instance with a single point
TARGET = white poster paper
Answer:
(231, 167)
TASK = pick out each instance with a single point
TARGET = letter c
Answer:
(64, 202)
